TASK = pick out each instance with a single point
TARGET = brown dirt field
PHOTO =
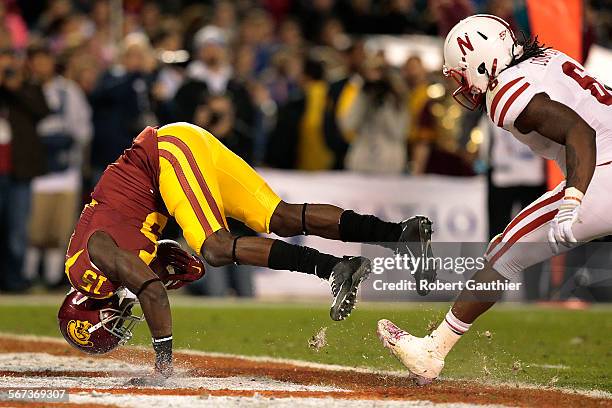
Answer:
(360, 385)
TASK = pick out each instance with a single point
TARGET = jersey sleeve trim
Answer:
(499, 95)
(509, 102)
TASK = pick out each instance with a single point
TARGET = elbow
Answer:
(586, 129)
(581, 134)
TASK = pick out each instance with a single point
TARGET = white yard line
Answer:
(42, 362)
(208, 383)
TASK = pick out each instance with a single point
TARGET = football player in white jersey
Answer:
(549, 102)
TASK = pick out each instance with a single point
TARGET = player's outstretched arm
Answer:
(134, 274)
(561, 124)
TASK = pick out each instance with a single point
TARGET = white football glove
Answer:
(561, 226)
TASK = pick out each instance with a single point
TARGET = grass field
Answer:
(528, 344)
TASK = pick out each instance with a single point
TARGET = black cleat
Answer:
(345, 279)
(415, 241)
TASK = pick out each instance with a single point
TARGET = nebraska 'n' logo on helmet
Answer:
(465, 44)
(78, 330)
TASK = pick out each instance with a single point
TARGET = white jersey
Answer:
(564, 80)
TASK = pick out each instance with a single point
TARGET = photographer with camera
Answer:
(66, 134)
(377, 121)
(22, 105)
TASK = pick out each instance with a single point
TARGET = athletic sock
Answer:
(448, 333)
(163, 354)
(284, 256)
(367, 228)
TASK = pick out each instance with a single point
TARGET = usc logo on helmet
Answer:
(78, 331)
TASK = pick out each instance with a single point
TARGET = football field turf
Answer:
(527, 344)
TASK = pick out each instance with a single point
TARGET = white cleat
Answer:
(416, 353)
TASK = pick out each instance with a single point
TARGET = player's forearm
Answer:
(580, 157)
(156, 309)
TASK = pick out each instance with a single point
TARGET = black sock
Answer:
(367, 228)
(297, 258)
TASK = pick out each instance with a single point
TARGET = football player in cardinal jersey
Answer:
(182, 171)
(549, 102)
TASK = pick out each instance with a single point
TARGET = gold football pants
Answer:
(201, 182)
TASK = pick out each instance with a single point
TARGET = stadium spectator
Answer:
(341, 96)
(400, 17)
(24, 105)
(224, 17)
(211, 65)
(212, 73)
(121, 102)
(256, 32)
(312, 15)
(65, 133)
(298, 140)
(378, 122)
(447, 13)
(14, 25)
(436, 138)
(283, 77)
(420, 133)
(290, 34)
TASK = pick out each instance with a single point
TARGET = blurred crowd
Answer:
(283, 83)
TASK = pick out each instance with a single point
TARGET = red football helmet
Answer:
(97, 326)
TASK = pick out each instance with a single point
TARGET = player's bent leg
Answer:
(188, 182)
(522, 244)
(424, 356)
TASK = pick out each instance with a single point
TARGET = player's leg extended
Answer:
(522, 244)
(411, 237)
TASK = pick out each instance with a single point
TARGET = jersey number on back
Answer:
(588, 83)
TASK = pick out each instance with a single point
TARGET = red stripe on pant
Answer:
(197, 173)
(530, 210)
(493, 244)
(191, 197)
(532, 226)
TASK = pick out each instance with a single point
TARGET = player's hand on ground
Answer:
(561, 226)
(164, 369)
(156, 379)
(153, 380)
(187, 268)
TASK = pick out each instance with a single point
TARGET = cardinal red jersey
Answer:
(126, 205)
